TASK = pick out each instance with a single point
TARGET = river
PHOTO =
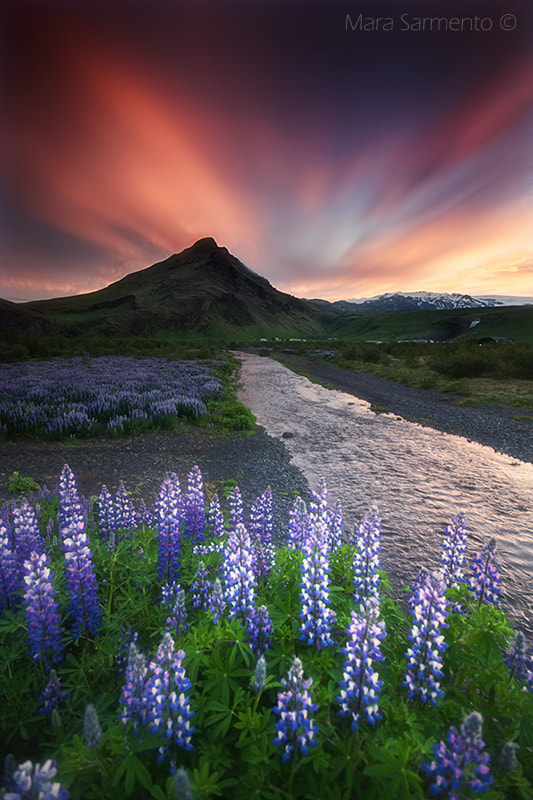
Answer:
(417, 477)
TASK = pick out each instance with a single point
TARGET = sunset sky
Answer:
(337, 155)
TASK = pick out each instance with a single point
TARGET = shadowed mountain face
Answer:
(203, 290)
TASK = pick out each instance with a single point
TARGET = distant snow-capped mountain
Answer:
(413, 301)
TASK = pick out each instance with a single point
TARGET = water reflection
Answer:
(419, 478)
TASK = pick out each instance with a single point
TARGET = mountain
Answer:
(413, 301)
(204, 290)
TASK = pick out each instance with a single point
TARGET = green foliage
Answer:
(233, 754)
(18, 484)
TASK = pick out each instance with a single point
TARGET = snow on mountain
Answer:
(410, 301)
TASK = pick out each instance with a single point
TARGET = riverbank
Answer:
(506, 430)
(253, 462)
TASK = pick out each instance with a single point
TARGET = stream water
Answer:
(417, 477)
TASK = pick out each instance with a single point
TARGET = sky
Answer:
(340, 149)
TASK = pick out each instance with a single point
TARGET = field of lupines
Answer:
(174, 652)
(82, 396)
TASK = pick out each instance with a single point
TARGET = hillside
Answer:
(202, 291)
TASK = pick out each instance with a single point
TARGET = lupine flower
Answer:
(26, 532)
(360, 684)
(316, 615)
(92, 732)
(52, 694)
(81, 581)
(42, 616)
(367, 540)
(259, 629)
(260, 674)
(461, 765)
(9, 572)
(295, 727)
(215, 517)
(168, 513)
(132, 697)
(29, 782)
(176, 623)
(236, 510)
(127, 637)
(239, 578)
(428, 607)
(261, 525)
(217, 602)
(298, 525)
(508, 760)
(485, 580)
(125, 510)
(71, 509)
(453, 555)
(201, 588)
(107, 517)
(195, 520)
(144, 517)
(516, 658)
(168, 709)
(182, 785)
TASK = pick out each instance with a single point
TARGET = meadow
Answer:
(178, 652)
(175, 652)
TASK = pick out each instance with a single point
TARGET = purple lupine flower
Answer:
(239, 578)
(485, 580)
(261, 525)
(29, 781)
(201, 588)
(168, 513)
(168, 708)
(9, 572)
(71, 509)
(236, 510)
(215, 517)
(195, 519)
(176, 623)
(453, 555)
(52, 694)
(429, 608)
(360, 684)
(144, 517)
(84, 607)
(107, 517)
(41, 613)
(132, 698)
(316, 615)
(217, 602)
(26, 532)
(295, 727)
(127, 637)
(461, 764)
(259, 631)
(125, 510)
(298, 525)
(367, 540)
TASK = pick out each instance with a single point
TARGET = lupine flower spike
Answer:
(424, 661)
(92, 732)
(295, 727)
(367, 540)
(52, 694)
(453, 554)
(29, 781)
(81, 581)
(461, 764)
(238, 574)
(360, 684)
(42, 615)
(316, 615)
(485, 580)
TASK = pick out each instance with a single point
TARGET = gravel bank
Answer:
(489, 425)
(253, 461)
